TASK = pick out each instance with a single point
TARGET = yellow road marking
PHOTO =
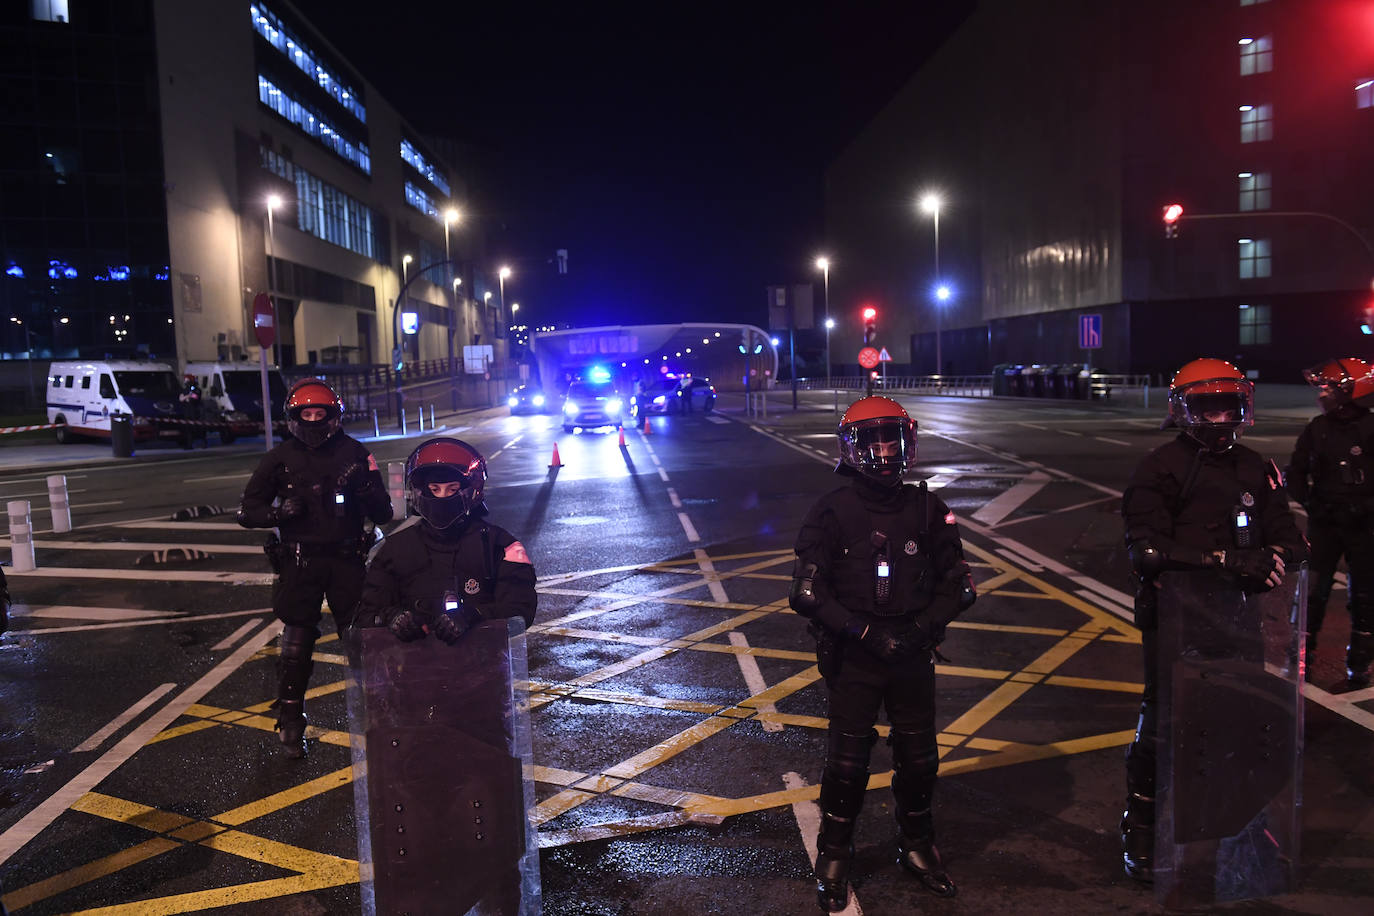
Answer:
(91, 871)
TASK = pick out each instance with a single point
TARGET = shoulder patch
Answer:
(372, 462)
(515, 553)
(949, 517)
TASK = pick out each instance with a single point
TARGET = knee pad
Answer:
(846, 774)
(915, 764)
(297, 642)
(294, 663)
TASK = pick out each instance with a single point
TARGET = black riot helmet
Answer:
(446, 460)
(313, 392)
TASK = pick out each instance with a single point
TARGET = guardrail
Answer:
(1095, 386)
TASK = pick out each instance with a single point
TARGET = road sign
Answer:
(868, 357)
(884, 356)
(264, 320)
(1090, 332)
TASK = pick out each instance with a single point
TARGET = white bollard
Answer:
(57, 502)
(431, 417)
(420, 418)
(396, 483)
(21, 536)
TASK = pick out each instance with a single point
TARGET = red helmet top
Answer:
(441, 461)
(1211, 399)
(313, 392)
(878, 439)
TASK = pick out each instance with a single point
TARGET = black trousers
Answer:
(1330, 542)
(304, 584)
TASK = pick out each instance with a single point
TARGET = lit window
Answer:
(323, 210)
(1254, 190)
(420, 200)
(1364, 94)
(1254, 258)
(1254, 325)
(410, 154)
(1256, 123)
(1256, 55)
(50, 11)
(266, 24)
(313, 123)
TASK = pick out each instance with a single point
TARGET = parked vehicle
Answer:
(527, 399)
(697, 392)
(232, 392)
(84, 395)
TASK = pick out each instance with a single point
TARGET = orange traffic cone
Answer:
(647, 428)
(622, 437)
(555, 462)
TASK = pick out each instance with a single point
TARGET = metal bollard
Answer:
(376, 425)
(21, 536)
(57, 502)
(431, 417)
(420, 418)
(396, 483)
(403, 422)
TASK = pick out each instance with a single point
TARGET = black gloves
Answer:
(406, 626)
(448, 624)
(291, 507)
(451, 625)
(890, 645)
(1258, 569)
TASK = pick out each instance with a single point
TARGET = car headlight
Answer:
(613, 405)
(570, 408)
(512, 400)
(538, 400)
(660, 400)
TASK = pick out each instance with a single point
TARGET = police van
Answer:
(232, 392)
(83, 395)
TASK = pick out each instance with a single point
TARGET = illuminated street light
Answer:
(823, 265)
(942, 293)
(931, 203)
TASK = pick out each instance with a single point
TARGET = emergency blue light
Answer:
(599, 374)
(1366, 329)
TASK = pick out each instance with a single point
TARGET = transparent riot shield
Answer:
(1229, 762)
(442, 769)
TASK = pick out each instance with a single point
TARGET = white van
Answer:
(83, 395)
(233, 392)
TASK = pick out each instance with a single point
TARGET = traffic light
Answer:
(1172, 214)
(1367, 325)
(744, 343)
(870, 323)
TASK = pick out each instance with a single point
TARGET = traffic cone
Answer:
(622, 437)
(555, 462)
(647, 428)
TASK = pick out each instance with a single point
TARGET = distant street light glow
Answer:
(942, 293)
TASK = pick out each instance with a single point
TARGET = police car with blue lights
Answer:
(593, 401)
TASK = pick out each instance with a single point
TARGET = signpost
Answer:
(265, 328)
(868, 358)
(884, 357)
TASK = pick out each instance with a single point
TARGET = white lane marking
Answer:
(127, 521)
(1031, 518)
(217, 478)
(1112, 441)
(47, 811)
(672, 496)
(1007, 502)
(140, 545)
(10, 480)
(687, 527)
(75, 612)
(663, 474)
(1020, 560)
(1094, 598)
(1034, 426)
(168, 523)
(713, 583)
(232, 638)
(147, 575)
(753, 677)
(940, 481)
(1341, 704)
(1053, 472)
(124, 718)
(715, 419)
(158, 621)
(74, 507)
(654, 459)
(808, 815)
(37, 493)
(1111, 594)
(493, 455)
(1069, 432)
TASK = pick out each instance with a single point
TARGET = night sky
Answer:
(676, 150)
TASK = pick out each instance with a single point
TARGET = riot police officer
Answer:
(879, 572)
(1182, 510)
(1331, 474)
(454, 569)
(321, 490)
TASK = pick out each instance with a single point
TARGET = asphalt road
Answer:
(676, 713)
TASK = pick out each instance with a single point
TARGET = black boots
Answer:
(1138, 838)
(1358, 656)
(920, 857)
(291, 727)
(832, 880)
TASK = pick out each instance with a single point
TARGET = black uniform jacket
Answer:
(1332, 468)
(848, 531)
(1184, 524)
(341, 465)
(482, 564)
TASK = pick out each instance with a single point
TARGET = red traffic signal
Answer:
(1172, 214)
(870, 322)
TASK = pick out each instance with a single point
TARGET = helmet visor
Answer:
(883, 444)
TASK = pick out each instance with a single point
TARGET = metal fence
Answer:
(1094, 386)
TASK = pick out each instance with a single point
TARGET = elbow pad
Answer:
(1147, 561)
(803, 597)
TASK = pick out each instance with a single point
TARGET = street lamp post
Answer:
(501, 276)
(930, 203)
(486, 368)
(824, 265)
(273, 202)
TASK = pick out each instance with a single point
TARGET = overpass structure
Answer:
(733, 356)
